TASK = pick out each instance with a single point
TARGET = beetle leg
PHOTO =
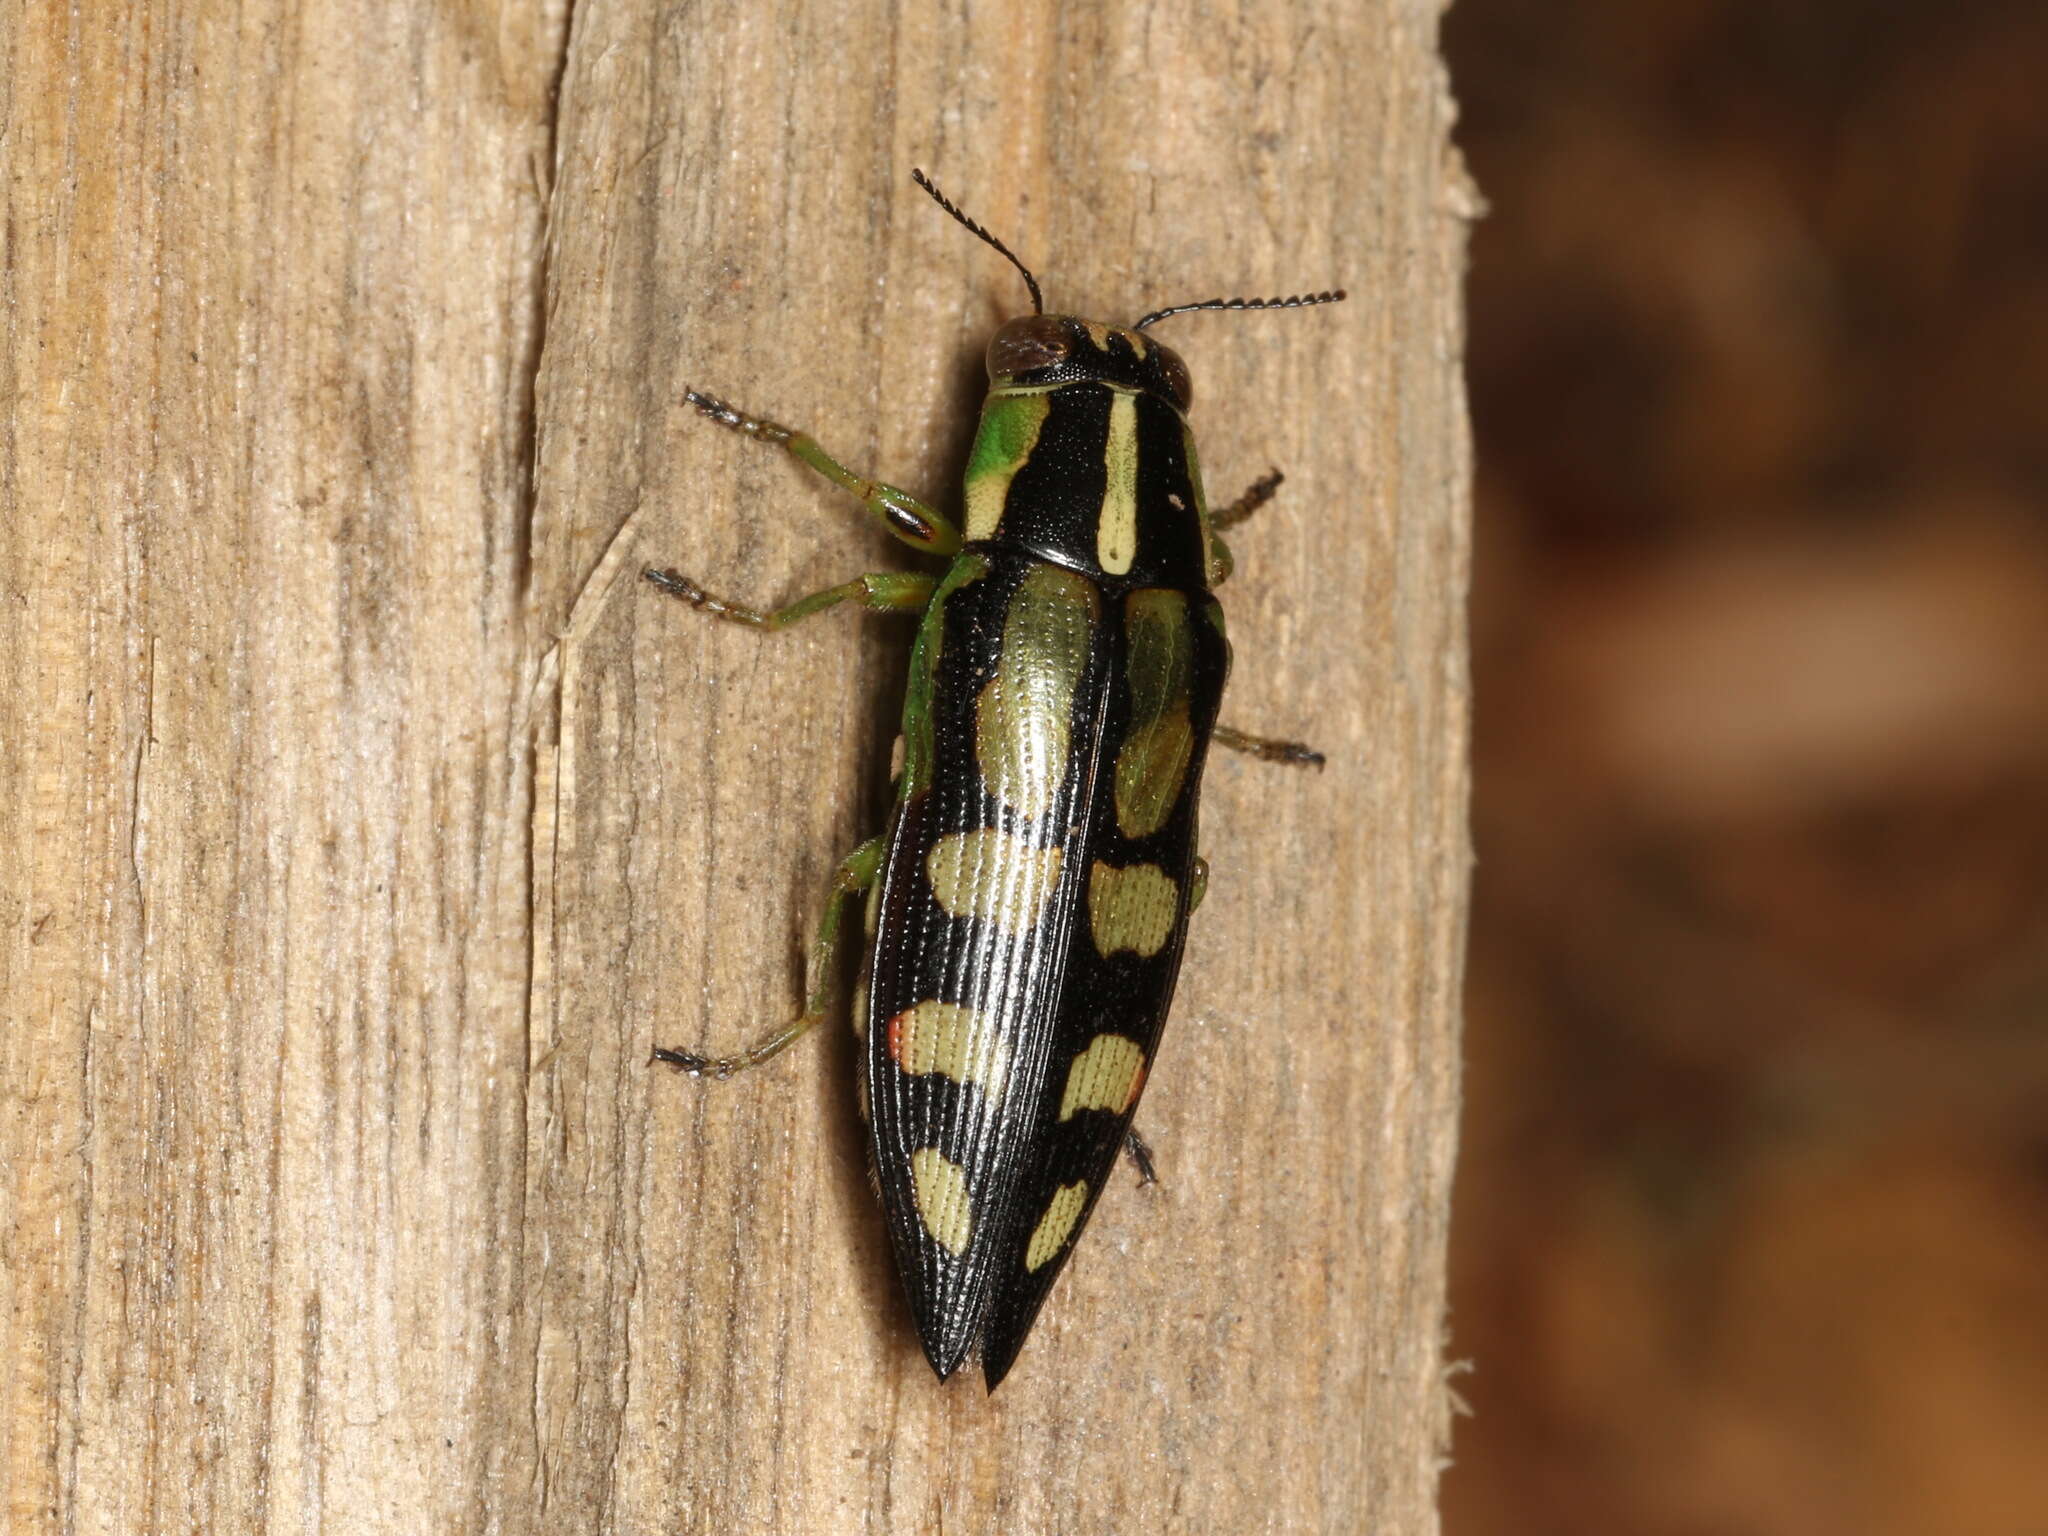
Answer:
(856, 872)
(1261, 492)
(1270, 749)
(915, 522)
(1257, 496)
(880, 591)
(1198, 884)
(1220, 563)
(1140, 1156)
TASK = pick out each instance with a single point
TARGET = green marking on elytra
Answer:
(952, 1041)
(1161, 743)
(918, 746)
(1011, 420)
(1062, 1214)
(1107, 1075)
(1131, 908)
(994, 877)
(1022, 720)
(944, 1204)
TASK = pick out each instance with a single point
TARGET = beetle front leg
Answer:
(878, 591)
(915, 522)
(1268, 749)
(856, 872)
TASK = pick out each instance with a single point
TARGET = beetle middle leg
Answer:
(879, 591)
(1260, 492)
(856, 873)
(1256, 496)
(1268, 749)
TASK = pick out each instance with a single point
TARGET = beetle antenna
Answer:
(1293, 301)
(1037, 298)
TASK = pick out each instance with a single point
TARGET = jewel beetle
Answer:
(1028, 900)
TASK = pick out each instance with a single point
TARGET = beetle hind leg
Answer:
(1140, 1155)
(855, 874)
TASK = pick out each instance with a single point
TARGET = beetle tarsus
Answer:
(737, 419)
(676, 584)
(693, 1065)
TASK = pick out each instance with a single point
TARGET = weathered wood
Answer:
(364, 820)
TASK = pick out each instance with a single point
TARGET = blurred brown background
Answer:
(1752, 1223)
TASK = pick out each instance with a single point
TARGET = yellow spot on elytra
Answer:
(1010, 423)
(1097, 333)
(940, 1185)
(1021, 721)
(994, 876)
(952, 1041)
(1105, 1076)
(1116, 529)
(1132, 908)
(1161, 742)
(1056, 1225)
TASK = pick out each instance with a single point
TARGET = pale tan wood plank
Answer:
(366, 820)
(1256, 1345)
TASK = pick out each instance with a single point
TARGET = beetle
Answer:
(1028, 900)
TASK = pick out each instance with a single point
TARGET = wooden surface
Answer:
(364, 821)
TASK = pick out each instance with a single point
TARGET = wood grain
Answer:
(364, 820)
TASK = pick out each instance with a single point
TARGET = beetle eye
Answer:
(1027, 344)
(1174, 374)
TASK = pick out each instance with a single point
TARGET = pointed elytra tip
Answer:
(943, 1358)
